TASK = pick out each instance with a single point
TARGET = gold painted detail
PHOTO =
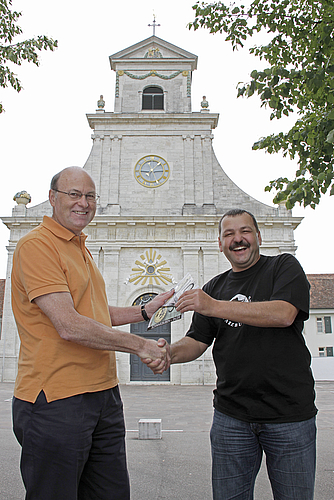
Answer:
(150, 270)
(153, 53)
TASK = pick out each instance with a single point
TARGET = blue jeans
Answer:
(237, 449)
(73, 448)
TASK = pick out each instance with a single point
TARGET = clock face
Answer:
(151, 171)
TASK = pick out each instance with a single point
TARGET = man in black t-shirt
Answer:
(264, 399)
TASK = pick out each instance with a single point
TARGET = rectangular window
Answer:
(153, 101)
(328, 324)
(325, 351)
(158, 101)
(147, 101)
(324, 324)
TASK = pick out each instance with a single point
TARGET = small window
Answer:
(324, 324)
(325, 351)
(153, 98)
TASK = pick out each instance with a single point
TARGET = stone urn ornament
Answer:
(22, 198)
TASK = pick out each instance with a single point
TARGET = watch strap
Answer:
(144, 313)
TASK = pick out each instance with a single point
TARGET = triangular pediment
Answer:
(155, 49)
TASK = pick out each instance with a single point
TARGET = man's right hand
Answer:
(155, 365)
(156, 355)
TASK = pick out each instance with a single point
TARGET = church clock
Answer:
(151, 171)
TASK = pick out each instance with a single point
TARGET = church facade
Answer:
(162, 193)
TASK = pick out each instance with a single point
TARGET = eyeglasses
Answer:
(76, 195)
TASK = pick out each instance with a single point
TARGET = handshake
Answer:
(156, 355)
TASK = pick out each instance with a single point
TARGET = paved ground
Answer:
(177, 466)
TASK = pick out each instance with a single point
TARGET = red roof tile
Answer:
(322, 291)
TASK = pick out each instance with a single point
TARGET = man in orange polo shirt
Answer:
(67, 410)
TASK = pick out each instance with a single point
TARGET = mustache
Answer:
(238, 244)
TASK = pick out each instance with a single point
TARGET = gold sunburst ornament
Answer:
(150, 270)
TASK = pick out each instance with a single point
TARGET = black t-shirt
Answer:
(263, 374)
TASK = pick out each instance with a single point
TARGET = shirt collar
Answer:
(59, 230)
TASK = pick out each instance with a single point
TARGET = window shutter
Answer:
(328, 324)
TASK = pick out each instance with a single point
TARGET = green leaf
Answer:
(330, 137)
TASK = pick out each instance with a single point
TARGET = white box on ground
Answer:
(150, 428)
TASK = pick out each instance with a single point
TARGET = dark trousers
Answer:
(73, 448)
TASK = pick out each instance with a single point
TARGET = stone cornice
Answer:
(177, 121)
(169, 220)
(139, 64)
(130, 55)
(160, 231)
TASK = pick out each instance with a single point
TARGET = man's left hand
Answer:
(196, 300)
(157, 302)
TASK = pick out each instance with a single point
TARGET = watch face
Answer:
(151, 171)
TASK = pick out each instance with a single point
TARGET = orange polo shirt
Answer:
(51, 259)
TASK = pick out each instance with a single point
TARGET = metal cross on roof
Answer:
(154, 24)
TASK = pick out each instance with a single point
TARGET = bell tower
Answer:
(154, 67)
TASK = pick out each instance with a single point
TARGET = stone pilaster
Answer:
(188, 154)
(10, 342)
(207, 159)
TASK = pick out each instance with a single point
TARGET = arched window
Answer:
(153, 98)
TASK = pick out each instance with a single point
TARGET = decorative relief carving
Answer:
(189, 85)
(150, 269)
(153, 72)
(117, 83)
(153, 53)
(139, 233)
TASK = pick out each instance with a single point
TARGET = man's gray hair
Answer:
(54, 181)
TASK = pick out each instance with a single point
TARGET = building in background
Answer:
(318, 330)
(162, 192)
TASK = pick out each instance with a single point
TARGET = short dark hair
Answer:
(233, 213)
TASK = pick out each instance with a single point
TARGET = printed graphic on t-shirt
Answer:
(239, 297)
